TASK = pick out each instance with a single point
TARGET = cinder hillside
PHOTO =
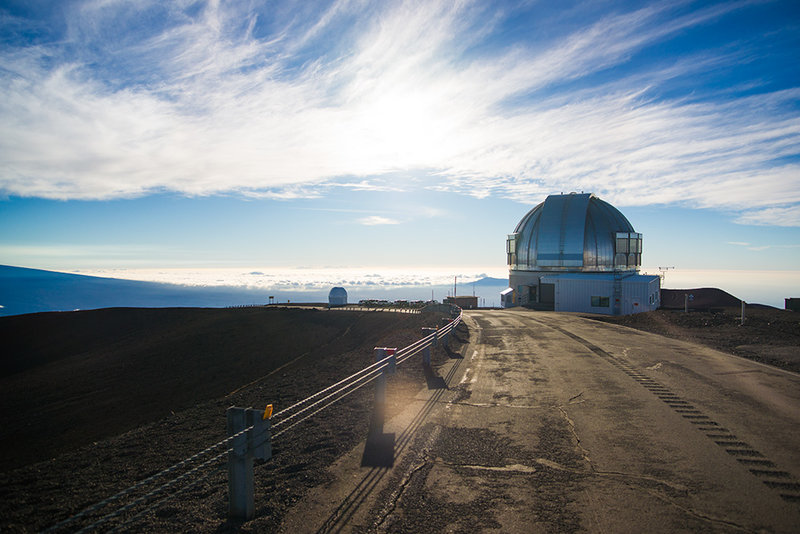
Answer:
(94, 401)
(70, 379)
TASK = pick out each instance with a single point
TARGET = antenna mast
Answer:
(663, 272)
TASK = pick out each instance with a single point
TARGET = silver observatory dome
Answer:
(574, 233)
(337, 297)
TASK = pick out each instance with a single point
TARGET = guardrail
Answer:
(347, 307)
(250, 437)
(322, 306)
(376, 309)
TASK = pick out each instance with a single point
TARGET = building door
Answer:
(548, 294)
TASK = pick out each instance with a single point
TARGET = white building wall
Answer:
(507, 298)
(575, 294)
(641, 294)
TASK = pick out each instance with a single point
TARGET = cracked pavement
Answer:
(555, 423)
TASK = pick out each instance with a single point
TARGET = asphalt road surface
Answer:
(555, 423)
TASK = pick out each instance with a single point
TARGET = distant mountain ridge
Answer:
(24, 290)
(489, 281)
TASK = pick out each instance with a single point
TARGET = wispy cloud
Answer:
(367, 185)
(78, 252)
(375, 220)
(139, 98)
(759, 248)
(777, 216)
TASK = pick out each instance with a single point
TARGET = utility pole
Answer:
(455, 286)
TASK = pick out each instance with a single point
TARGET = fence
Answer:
(323, 306)
(350, 307)
(250, 437)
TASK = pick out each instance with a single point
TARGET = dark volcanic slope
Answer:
(84, 376)
(700, 298)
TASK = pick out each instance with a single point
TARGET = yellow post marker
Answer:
(267, 412)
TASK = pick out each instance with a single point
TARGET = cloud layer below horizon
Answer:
(119, 100)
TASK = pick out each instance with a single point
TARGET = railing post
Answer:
(445, 337)
(380, 388)
(426, 354)
(240, 468)
(259, 439)
(255, 443)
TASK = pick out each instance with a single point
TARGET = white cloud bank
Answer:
(305, 279)
(280, 105)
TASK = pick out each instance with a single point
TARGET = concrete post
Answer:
(380, 382)
(259, 439)
(445, 337)
(241, 504)
(685, 303)
(376, 426)
(426, 354)
(255, 443)
(743, 305)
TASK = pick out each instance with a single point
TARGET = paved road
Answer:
(555, 423)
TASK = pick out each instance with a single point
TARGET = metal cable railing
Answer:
(161, 502)
(144, 498)
(324, 399)
(315, 412)
(283, 412)
(375, 373)
(142, 483)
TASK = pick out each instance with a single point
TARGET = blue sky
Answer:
(377, 134)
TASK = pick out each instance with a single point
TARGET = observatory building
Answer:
(578, 253)
(337, 297)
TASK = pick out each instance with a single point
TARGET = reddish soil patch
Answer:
(768, 335)
(94, 401)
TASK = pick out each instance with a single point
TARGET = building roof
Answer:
(574, 232)
(628, 278)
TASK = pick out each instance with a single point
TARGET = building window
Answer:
(599, 302)
(622, 242)
(511, 249)
(628, 250)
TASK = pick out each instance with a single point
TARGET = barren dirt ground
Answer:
(768, 335)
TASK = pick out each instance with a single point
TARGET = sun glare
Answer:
(397, 130)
